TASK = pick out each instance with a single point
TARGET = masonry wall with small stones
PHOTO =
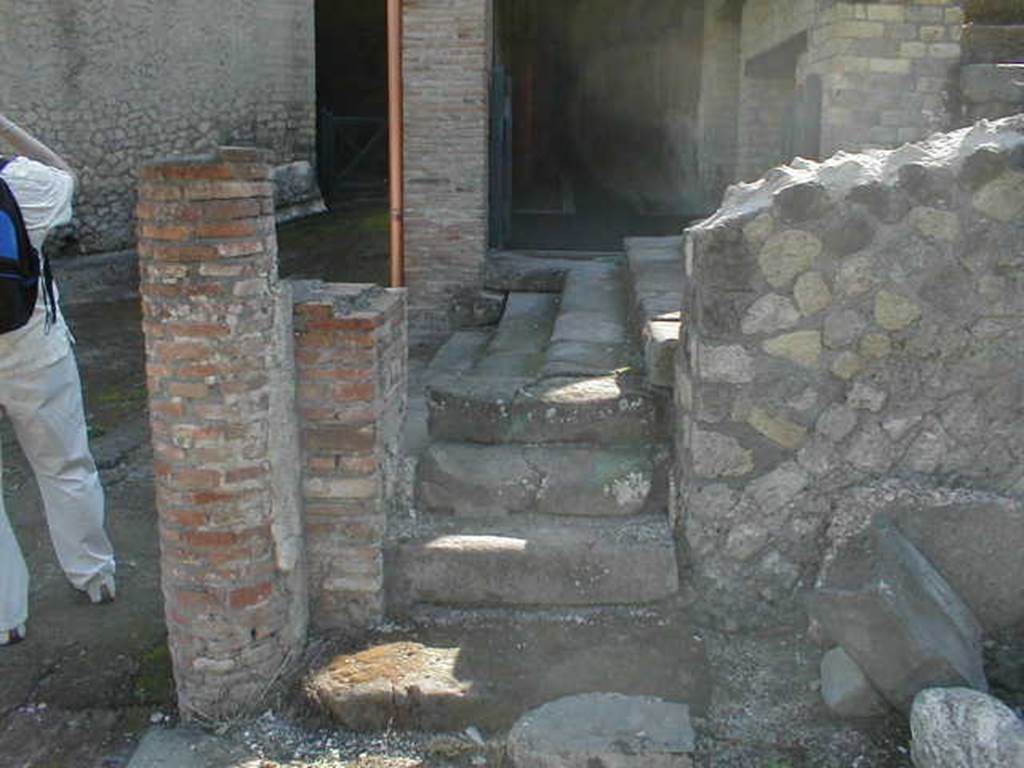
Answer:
(889, 69)
(275, 416)
(112, 85)
(446, 61)
(851, 321)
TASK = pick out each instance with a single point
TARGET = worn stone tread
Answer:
(532, 561)
(657, 282)
(537, 271)
(570, 480)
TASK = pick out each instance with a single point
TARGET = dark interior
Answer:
(594, 109)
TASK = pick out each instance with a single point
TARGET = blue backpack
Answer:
(21, 268)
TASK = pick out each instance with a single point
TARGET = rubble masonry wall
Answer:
(849, 322)
(112, 85)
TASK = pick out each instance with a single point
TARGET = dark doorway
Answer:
(594, 110)
(351, 84)
(349, 243)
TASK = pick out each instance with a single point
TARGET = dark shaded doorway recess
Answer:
(351, 84)
(594, 110)
(349, 243)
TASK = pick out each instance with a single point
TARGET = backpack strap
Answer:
(49, 299)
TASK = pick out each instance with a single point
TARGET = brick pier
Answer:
(223, 370)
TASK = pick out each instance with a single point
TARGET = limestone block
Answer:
(935, 224)
(954, 727)
(770, 314)
(718, 455)
(777, 429)
(895, 312)
(726, 364)
(812, 293)
(1003, 198)
(788, 254)
(605, 729)
(903, 625)
(801, 347)
(846, 690)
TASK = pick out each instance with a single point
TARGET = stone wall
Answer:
(111, 85)
(275, 421)
(849, 322)
(718, 115)
(447, 67)
(889, 71)
(351, 363)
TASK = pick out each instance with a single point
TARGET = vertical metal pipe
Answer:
(396, 143)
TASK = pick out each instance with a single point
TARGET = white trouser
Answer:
(45, 408)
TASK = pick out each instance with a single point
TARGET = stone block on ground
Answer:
(846, 690)
(959, 727)
(602, 729)
(404, 684)
(900, 621)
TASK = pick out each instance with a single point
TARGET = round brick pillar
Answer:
(234, 600)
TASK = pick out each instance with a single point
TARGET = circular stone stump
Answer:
(606, 729)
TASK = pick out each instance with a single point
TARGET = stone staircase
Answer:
(545, 484)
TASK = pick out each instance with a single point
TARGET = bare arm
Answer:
(24, 143)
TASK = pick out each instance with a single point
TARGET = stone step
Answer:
(559, 369)
(603, 410)
(534, 561)
(469, 480)
(487, 670)
(537, 271)
(657, 281)
(460, 353)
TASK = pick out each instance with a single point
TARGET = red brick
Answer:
(247, 597)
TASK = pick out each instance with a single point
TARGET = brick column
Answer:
(216, 324)
(350, 349)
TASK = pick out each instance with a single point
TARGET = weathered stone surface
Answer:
(788, 254)
(661, 340)
(847, 365)
(958, 727)
(770, 314)
(476, 309)
(777, 429)
(604, 729)
(836, 422)
(938, 225)
(812, 293)
(800, 202)
(842, 328)
(905, 627)
(875, 346)
(986, 83)
(758, 230)
(718, 455)
(726, 365)
(800, 347)
(846, 690)
(894, 312)
(993, 43)
(405, 684)
(523, 561)
(1003, 198)
(856, 276)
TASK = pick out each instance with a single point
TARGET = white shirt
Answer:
(44, 195)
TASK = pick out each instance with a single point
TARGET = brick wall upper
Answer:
(446, 67)
(111, 85)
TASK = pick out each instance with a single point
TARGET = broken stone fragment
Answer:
(899, 620)
(604, 729)
(955, 727)
(845, 688)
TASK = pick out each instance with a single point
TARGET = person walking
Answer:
(41, 394)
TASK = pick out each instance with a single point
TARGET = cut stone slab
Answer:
(599, 409)
(661, 340)
(904, 626)
(846, 690)
(602, 729)
(993, 44)
(460, 353)
(957, 727)
(406, 684)
(537, 271)
(485, 481)
(526, 561)
(507, 665)
(981, 83)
